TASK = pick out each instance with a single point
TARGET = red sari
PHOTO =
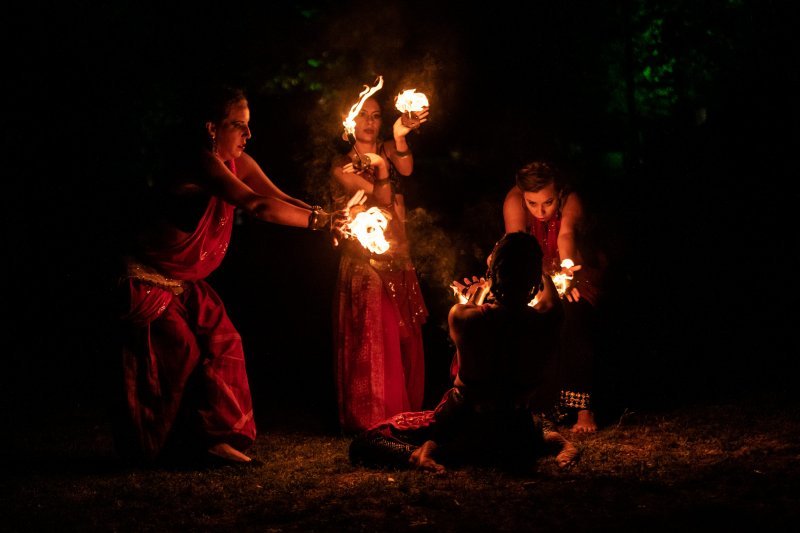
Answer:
(378, 317)
(182, 355)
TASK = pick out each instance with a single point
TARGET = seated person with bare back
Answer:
(505, 353)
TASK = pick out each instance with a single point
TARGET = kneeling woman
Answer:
(505, 356)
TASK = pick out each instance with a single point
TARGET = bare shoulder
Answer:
(514, 194)
(573, 207)
(463, 313)
(573, 199)
(246, 165)
(514, 211)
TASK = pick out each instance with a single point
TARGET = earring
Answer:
(213, 141)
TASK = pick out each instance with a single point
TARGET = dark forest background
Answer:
(678, 120)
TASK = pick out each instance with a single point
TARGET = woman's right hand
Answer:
(358, 166)
(472, 290)
(572, 293)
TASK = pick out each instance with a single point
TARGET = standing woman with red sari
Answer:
(378, 307)
(185, 384)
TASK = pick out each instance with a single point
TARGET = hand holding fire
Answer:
(472, 290)
(366, 163)
(564, 278)
(413, 107)
(408, 122)
(341, 219)
(366, 225)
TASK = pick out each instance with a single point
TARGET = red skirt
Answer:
(378, 342)
(183, 358)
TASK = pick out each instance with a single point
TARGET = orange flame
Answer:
(368, 227)
(461, 298)
(350, 123)
(561, 280)
(410, 101)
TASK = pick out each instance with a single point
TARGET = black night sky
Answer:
(679, 119)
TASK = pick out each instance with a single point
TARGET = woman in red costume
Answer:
(186, 387)
(378, 308)
(543, 206)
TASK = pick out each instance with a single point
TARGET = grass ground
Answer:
(734, 466)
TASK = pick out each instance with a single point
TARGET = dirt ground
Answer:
(732, 465)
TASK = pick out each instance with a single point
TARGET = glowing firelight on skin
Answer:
(462, 299)
(368, 227)
(411, 101)
(350, 122)
(478, 295)
(560, 280)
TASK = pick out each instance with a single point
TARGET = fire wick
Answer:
(359, 157)
(352, 140)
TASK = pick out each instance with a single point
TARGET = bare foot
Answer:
(568, 452)
(585, 422)
(422, 458)
(229, 453)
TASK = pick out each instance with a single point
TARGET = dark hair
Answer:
(537, 175)
(515, 268)
(382, 134)
(211, 104)
(218, 102)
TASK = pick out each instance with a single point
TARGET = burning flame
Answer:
(461, 298)
(560, 280)
(350, 123)
(368, 227)
(410, 101)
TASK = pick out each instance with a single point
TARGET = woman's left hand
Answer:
(572, 293)
(339, 220)
(400, 129)
(474, 289)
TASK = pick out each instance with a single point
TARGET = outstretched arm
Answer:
(253, 176)
(571, 216)
(220, 181)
